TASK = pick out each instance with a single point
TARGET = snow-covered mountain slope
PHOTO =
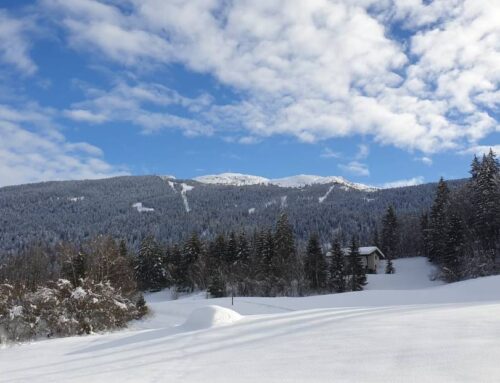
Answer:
(235, 179)
(298, 181)
(423, 332)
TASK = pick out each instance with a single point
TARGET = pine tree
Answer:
(150, 272)
(217, 286)
(337, 280)
(242, 266)
(454, 251)
(389, 267)
(376, 238)
(268, 268)
(487, 203)
(315, 265)
(438, 223)
(424, 235)
(357, 274)
(190, 255)
(285, 253)
(390, 233)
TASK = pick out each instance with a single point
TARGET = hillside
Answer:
(389, 334)
(132, 207)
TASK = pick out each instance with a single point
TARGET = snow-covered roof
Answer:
(364, 250)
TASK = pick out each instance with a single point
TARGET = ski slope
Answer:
(419, 331)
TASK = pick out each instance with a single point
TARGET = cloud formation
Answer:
(32, 149)
(14, 43)
(318, 69)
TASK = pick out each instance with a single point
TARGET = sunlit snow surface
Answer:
(403, 328)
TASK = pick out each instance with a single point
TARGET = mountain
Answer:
(170, 209)
(232, 179)
(298, 181)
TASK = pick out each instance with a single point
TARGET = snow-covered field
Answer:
(402, 328)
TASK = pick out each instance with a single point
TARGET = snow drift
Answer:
(210, 316)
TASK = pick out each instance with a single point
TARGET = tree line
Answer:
(263, 263)
(461, 231)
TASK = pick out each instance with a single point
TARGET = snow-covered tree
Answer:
(355, 269)
(315, 265)
(337, 277)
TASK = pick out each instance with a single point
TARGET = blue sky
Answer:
(380, 92)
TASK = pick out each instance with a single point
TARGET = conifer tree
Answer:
(216, 286)
(390, 233)
(315, 265)
(487, 202)
(285, 253)
(357, 274)
(438, 223)
(337, 278)
(424, 234)
(268, 273)
(389, 267)
(190, 255)
(376, 238)
(454, 249)
(150, 273)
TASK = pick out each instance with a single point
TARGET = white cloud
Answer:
(425, 160)
(401, 183)
(479, 150)
(363, 151)
(32, 149)
(85, 116)
(329, 153)
(355, 168)
(143, 105)
(14, 43)
(317, 69)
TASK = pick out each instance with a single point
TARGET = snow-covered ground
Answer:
(402, 328)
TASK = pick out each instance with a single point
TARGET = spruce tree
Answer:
(390, 233)
(389, 267)
(438, 223)
(424, 235)
(337, 278)
(315, 265)
(454, 251)
(267, 268)
(150, 272)
(285, 253)
(487, 203)
(357, 274)
(217, 286)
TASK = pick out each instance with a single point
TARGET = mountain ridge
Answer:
(296, 181)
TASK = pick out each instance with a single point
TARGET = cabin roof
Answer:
(364, 250)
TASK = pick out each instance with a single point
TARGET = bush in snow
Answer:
(60, 309)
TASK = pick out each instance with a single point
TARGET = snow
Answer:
(323, 197)
(142, 209)
(402, 328)
(298, 181)
(76, 199)
(210, 316)
(234, 179)
(184, 189)
(79, 293)
(283, 202)
(15, 312)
